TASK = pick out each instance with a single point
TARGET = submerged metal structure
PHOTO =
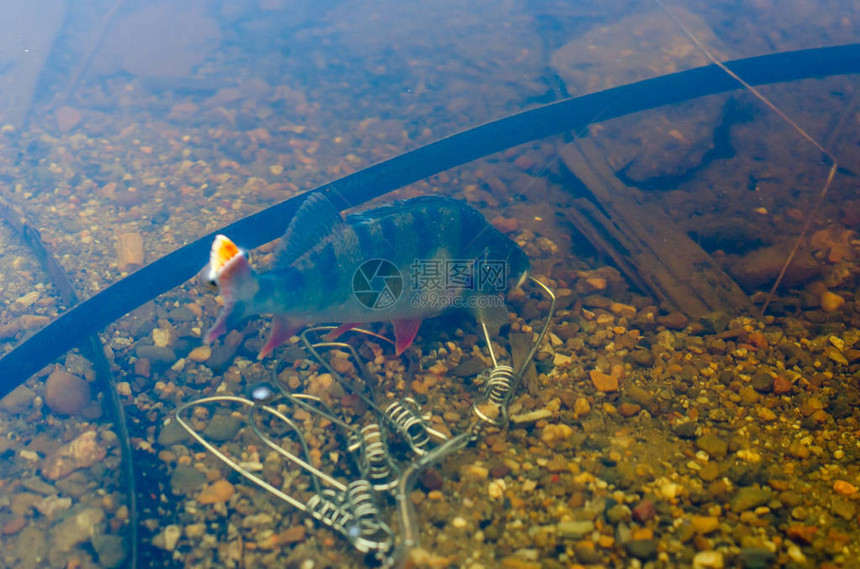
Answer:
(359, 497)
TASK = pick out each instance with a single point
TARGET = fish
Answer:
(402, 263)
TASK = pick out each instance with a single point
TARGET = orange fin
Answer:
(223, 251)
(404, 333)
(282, 330)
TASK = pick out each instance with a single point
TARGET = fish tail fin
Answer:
(237, 284)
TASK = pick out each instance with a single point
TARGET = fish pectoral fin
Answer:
(493, 315)
(218, 329)
(336, 333)
(404, 333)
(282, 330)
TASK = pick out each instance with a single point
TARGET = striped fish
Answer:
(400, 263)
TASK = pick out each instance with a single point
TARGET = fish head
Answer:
(237, 283)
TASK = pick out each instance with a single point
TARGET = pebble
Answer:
(512, 563)
(705, 524)
(26, 301)
(627, 409)
(617, 514)
(469, 367)
(67, 118)
(623, 310)
(715, 322)
(51, 505)
(645, 510)
(685, 430)
(294, 534)
(642, 549)
(66, 394)
(161, 337)
(155, 354)
(673, 321)
(555, 433)
(758, 340)
(19, 400)
(756, 558)
(342, 365)
(430, 480)
(575, 529)
(76, 529)
(129, 251)
(36, 484)
(531, 416)
(524, 162)
(581, 407)
(643, 358)
(830, 301)
(111, 550)
(476, 472)
(749, 497)
(843, 508)
(14, 526)
(171, 434)
(765, 414)
(708, 560)
(603, 381)
(82, 452)
(506, 224)
(168, 537)
(566, 331)
(712, 444)
(222, 427)
(749, 396)
(845, 488)
(216, 493)
(142, 367)
(185, 479)
(796, 554)
(496, 489)
(500, 470)
(762, 382)
(781, 385)
(29, 321)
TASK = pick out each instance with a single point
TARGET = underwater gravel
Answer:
(644, 438)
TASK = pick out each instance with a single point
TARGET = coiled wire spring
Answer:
(352, 509)
(405, 419)
(374, 460)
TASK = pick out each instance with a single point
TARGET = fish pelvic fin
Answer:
(282, 330)
(493, 315)
(404, 333)
(236, 281)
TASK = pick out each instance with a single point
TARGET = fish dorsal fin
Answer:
(315, 219)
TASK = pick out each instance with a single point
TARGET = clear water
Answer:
(129, 130)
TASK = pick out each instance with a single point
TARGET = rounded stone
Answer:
(66, 394)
